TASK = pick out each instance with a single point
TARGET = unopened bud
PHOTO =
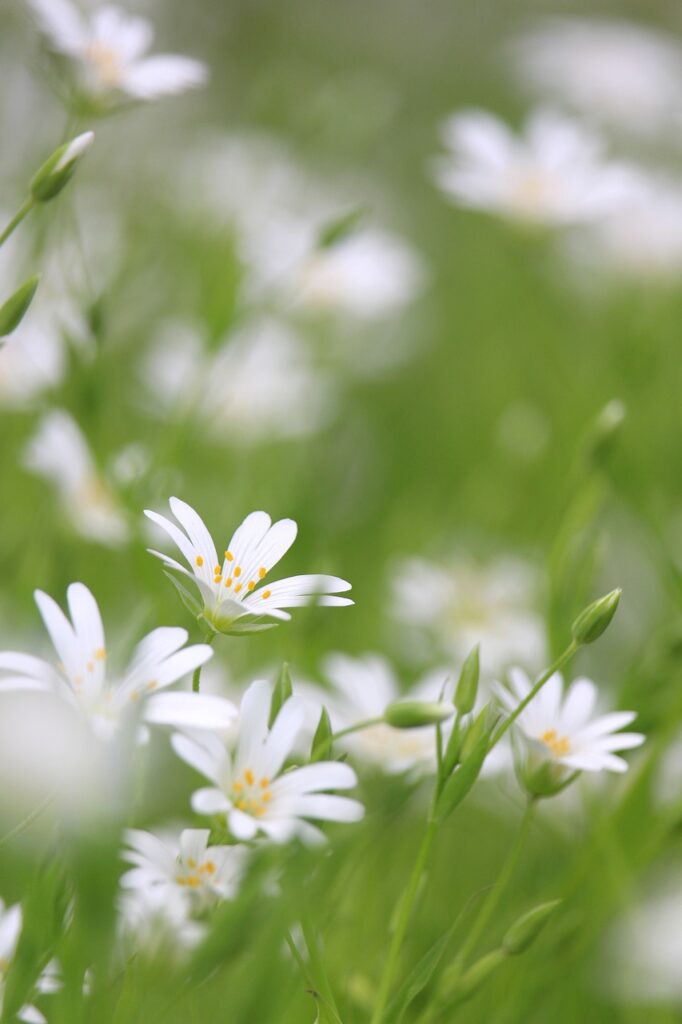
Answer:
(467, 686)
(592, 622)
(411, 714)
(13, 310)
(472, 979)
(281, 693)
(58, 168)
(526, 929)
(322, 740)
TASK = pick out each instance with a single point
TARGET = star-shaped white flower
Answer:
(560, 726)
(81, 677)
(554, 174)
(109, 50)
(249, 784)
(233, 588)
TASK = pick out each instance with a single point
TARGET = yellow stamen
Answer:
(199, 561)
(237, 570)
(248, 775)
(152, 684)
(242, 805)
(559, 745)
(208, 867)
(218, 578)
(191, 863)
(266, 594)
(216, 571)
(264, 783)
(238, 588)
(229, 556)
(237, 787)
(251, 585)
(100, 654)
(261, 572)
(228, 581)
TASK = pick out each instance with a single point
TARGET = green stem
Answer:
(404, 914)
(318, 968)
(28, 820)
(547, 674)
(492, 900)
(16, 220)
(196, 678)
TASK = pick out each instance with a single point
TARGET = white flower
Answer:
(615, 70)
(561, 729)
(554, 174)
(31, 362)
(81, 677)
(10, 928)
(108, 49)
(249, 785)
(460, 603)
(275, 390)
(59, 452)
(188, 871)
(233, 590)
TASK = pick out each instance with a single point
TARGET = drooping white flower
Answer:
(10, 928)
(108, 49)
(249, 785)
(614, 70)
(59, 452)
(561, 729)
(459, 603)
(81, 677)
(233, 589)
(275, 390)
(186, 871)
(555, 173)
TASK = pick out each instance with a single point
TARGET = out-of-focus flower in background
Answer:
(260, 385)
(32, 362)
(59, 452)
(10, 928)
(450, 606)
(108, 51)
(619, 72)
(555, 173)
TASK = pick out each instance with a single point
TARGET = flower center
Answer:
(107, 64)
(250, 795)
(230, 580)
(531, 191)
(559, 745)
(194, 875)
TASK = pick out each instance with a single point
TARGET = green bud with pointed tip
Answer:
(281, 693)
(12, 311)
(469, 983)
(322, 740)
(467, 686)
(58, 169)
(526, 929)
(596, 618)
(412, 714)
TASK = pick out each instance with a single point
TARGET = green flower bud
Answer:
(321, 746)
(411, 714)
(58, 168)
(592, 622)
(472, 757)
(526, 929)
(453, 750)
(469, 983)
(13, 310)
(281, 693)
(467, 687)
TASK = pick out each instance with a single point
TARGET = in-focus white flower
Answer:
(615, 70)
(249, 785)
(186, 871)
(275, 390)
(108, 49)
(233, 589)
(59, 452)
(81, 677)
(560, 728)
(555, 173)
(457, 604)
(10, 928)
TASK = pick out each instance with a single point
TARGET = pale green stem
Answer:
(28, 820)
(196, 678)
(547, 674)
(403, 920)
(16, 220)
(367, 723)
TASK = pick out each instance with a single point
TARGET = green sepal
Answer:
(322, 740)
(14, 309)
(281, 693)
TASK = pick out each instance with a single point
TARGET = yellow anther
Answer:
(208, 867)
(237, 570)
(228, 581)
(559, 745)
(134, 695)
(90, 667)
(100, 654)
(248, 775)
(251, 585)
(266, 796)
(229, 556)
(199, 561)
(549, 736)
(266, 594)
(237, 787)
(264, 783)
(194, 881)
(216, 571)
(181, 880)
(191, 863)
(262, 571)
(238, 588)
(218, 578)
(242, 805)
(152, 684)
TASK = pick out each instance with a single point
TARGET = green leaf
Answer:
(281, 693)
(12, 311)
(189, 600)
(341, 227)
(321, 746)
(418, 978)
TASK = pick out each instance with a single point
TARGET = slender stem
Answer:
(196, 678)
(404, 914)
(366, 724)
(492, 900)
(28, 820)
(16, 220)
(317, 966)
(547, 674)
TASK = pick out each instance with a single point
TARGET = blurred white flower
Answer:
(644, 242)
(249, 785)
(615, 70)
(559, 726)
(185, 871)
(553, 174)
(159, 660)
(274, 390)
(460, 603)
(59, 452)
(234, 599)
(10, 928)
(108, 49)
(31, 361)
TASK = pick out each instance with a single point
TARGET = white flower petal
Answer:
(164, 75)
(190, 711)
(210, 801)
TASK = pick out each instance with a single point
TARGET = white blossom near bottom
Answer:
(249, 785)
(561, 728)
(10, 929)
